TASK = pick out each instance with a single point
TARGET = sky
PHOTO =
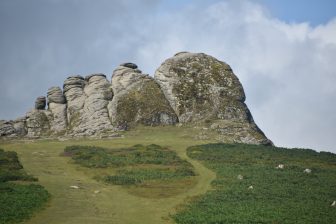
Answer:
(283, 52)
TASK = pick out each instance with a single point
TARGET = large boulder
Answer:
(93, 118)
(37, 123)
(138, 99)
(40, 103)
(55, 95)
(6, 128)
(201, 88)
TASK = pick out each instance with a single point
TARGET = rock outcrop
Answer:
(189, 89)
(73, 89)
(93, 117)
(138, 99)
(201, 88)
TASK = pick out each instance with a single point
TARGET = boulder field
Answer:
(192, 89)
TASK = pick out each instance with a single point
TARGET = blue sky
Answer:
(282, 51)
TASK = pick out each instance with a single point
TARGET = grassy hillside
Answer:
(149, 169)
(19, 198)
(158, 193)
(258, 184)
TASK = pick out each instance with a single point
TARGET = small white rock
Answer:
(96, 192)
(333, 204)
(74, 187)
(307, 171)
(250, 187)
(280, 166)
(240, 177)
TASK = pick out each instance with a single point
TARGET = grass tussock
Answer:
(17, 200)
(141, 166)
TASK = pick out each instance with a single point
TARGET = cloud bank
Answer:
(287, 70)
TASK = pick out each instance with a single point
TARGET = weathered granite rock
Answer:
(58, 109)
(73, 89)
(202, 89)
(37, 123)
(138, 99)
(93, 118)
(58, 118)
(19, 125)
(55, 95)
(187, 88)
(40, 103)
(6, 128)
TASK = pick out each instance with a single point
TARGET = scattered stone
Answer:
(307, 171)
(240, 177)
(96, 192)
(333, 204)
(280, 166)
(74, 187)
(250, 187)
(40, 103)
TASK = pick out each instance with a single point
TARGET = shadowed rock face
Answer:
(40, 103)
(188, 88)
(138, 99)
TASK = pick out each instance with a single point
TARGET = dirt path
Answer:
(112, 204)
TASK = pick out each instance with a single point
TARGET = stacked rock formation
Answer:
(58, 108)
(187, 88)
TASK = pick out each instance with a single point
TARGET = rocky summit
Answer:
(188, 89)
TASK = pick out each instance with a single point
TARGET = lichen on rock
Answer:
(193, 89)
(138, 99)
(201, 88)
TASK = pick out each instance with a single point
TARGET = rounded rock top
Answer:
(129, 65)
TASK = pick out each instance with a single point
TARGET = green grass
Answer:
(278, 196)
(134, 165)
(18, 200)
